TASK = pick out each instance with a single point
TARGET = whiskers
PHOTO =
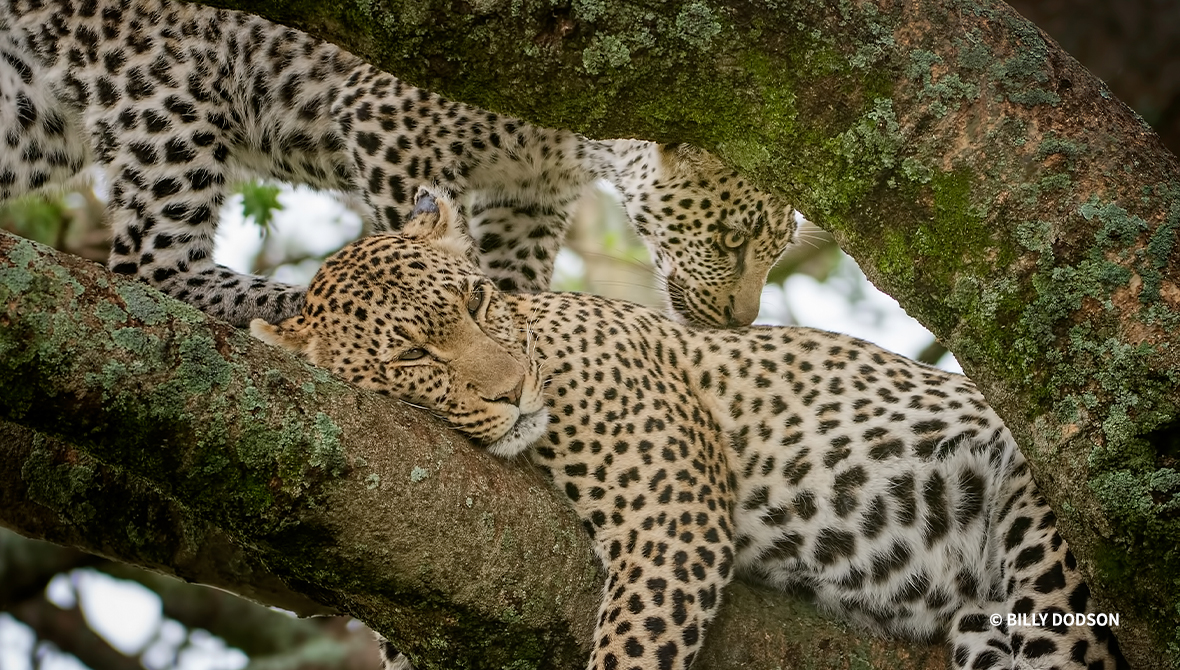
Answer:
(809, 234)
(677, 296)
(432, 412)
(530, 344)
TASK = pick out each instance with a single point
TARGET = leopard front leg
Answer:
(661, 517)
(660, 595)
(163, 208)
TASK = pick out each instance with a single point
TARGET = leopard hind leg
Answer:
(41, 142)
(1040, 589)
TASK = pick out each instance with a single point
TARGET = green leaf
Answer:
(259, 202)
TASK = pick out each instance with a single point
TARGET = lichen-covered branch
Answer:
(54, 491)
(140, 429)
(978, 174)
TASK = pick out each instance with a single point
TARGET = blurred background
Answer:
(61, 609)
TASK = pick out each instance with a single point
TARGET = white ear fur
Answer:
(442, 227)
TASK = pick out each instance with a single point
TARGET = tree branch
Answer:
(976, 172)
(349, 498)
(54, 491)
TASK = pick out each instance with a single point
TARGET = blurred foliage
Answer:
(260, 201)
(36, 217)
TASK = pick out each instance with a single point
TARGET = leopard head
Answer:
(409, 316)
(714, 236)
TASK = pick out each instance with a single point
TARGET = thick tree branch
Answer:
(364, 505)
(54, 491)
(975, 171)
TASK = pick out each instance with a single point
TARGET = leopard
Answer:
(886, 491)
(175, 102)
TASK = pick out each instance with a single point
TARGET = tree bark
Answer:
(144, 431)
(976, 172)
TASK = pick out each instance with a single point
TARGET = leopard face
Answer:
(464, 363)
(716, 240)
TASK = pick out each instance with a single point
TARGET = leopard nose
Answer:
(735, 320)
(511, 396)
(730, 321)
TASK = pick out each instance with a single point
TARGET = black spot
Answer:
(1079, 598)
(1015, 535)
(972, 489)
(667, 654)
(974, 623)
(166, 187)
(1030, 556)
(833, 544)
(937, 516)
(370, 142)
(901, 488)
(1051, 580)
(177, 150)
(1039, 647)
(845, 489)
(888, 449)
(886, 563)
(785, 547)
(26, 113)
(804, 504)
(874, 519)
(757, 499)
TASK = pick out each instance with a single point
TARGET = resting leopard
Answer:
(174, 101)
(886, 490)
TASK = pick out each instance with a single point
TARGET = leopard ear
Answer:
(686, 161)
(436, 220)
(292, 334)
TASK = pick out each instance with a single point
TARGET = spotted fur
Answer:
(887, 491)
(174, 101)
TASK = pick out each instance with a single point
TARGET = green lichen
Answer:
(1052, 144)
(137, 342)
(1036, 236)
(327, 451)
(62, 487)
(372, 481)
(15, 279)
(973, 54)
(142, 302)
(1022, 76)
(589, 10)
(943, 94)
(697, 24)
(604, 54)
(418, 474)
(874, 140)
(1159, 251)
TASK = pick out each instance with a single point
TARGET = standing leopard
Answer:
(886, 490)
(175, 101)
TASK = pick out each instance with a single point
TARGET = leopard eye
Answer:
(732, 239)
(475, 302)
(413, 354)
